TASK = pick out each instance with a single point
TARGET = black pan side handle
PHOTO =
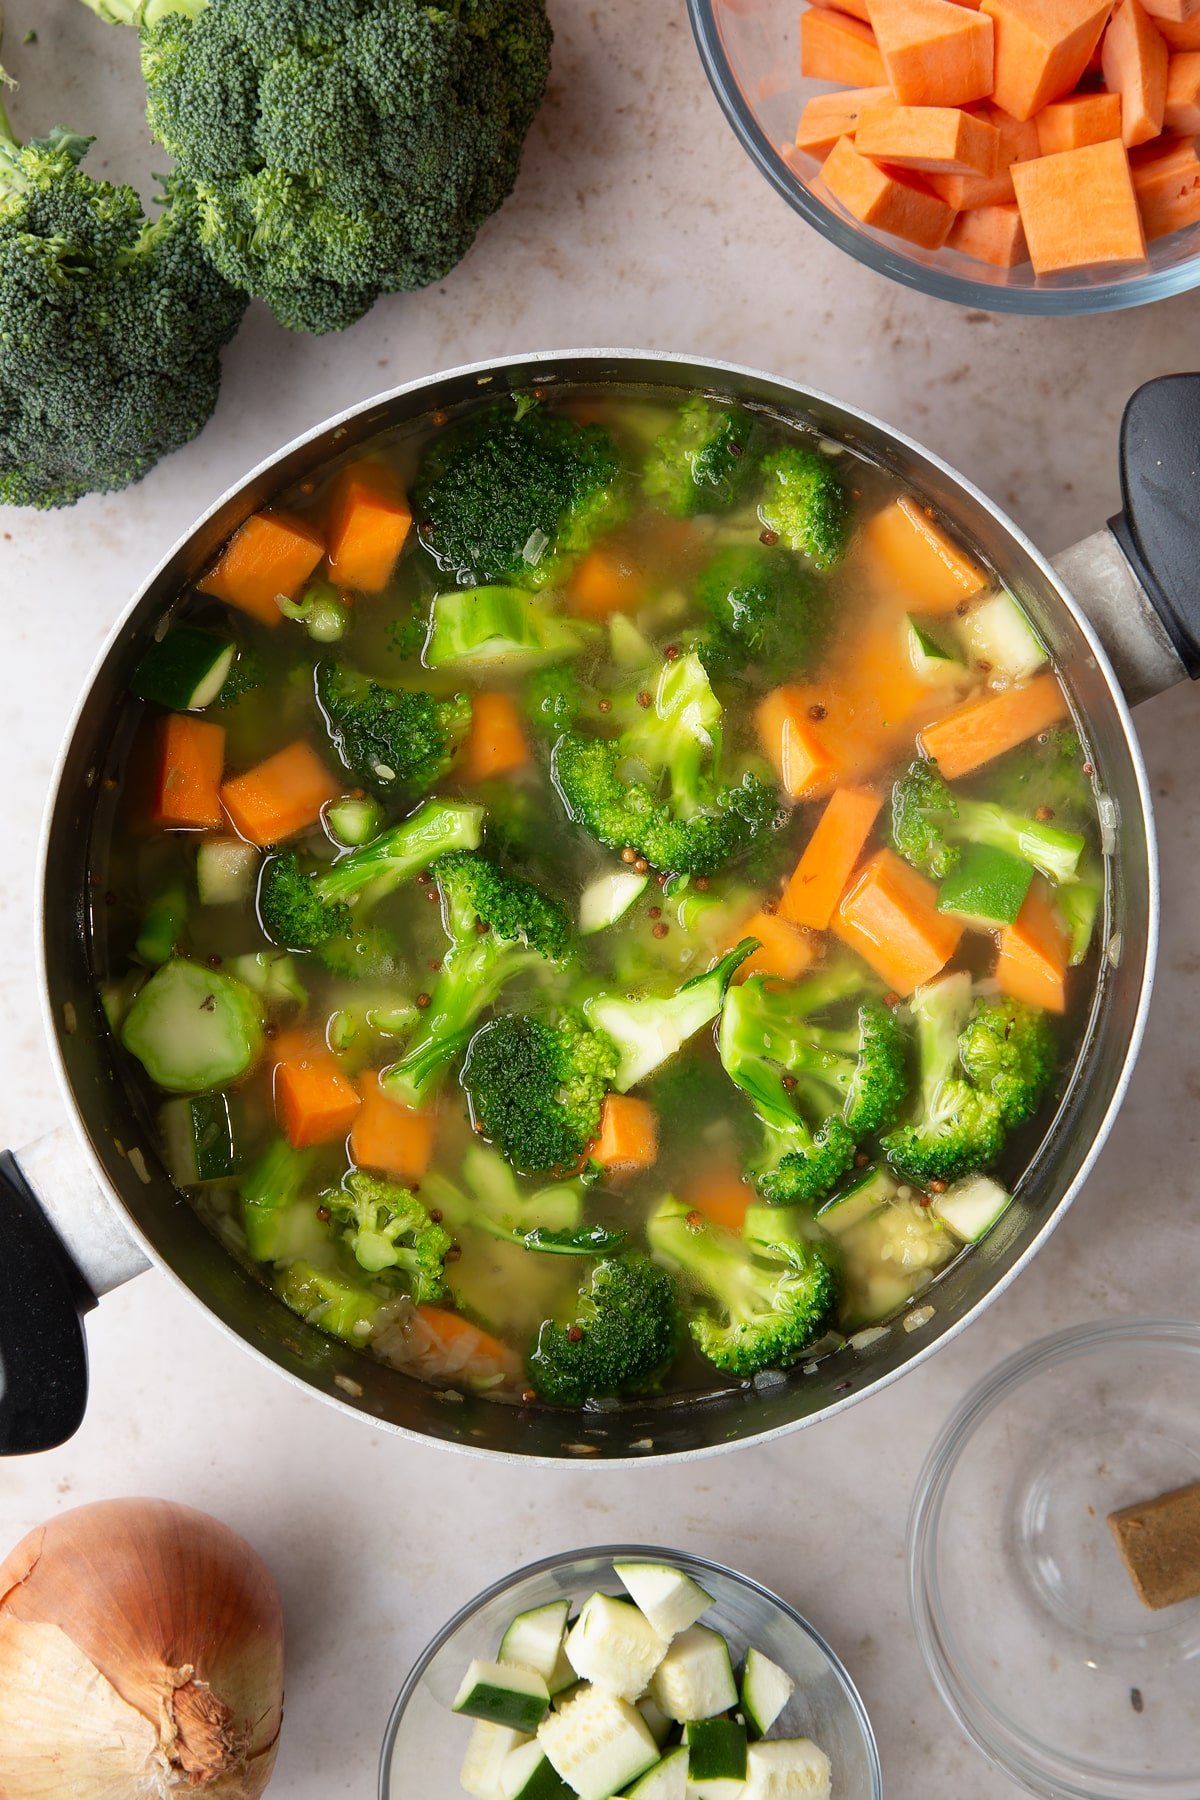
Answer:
(1159, 525)
(43, 1299)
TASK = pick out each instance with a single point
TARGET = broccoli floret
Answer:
(314, 911)
(514, 496)
(338, 152)
(387, 1227)
(536, 1087)
(929, 823)
(701, 463)
(1008, 1049)
(804, 503)
(623, 1336)
(499, 927)
(817, 1089)
(393, 740)
(684, 818)
(759, 1305)
(112, 326)
(553, 700)
(649, 1030)
(958, 1127)
(765, 607)
(247, 674)
(322, 609)
(501, 630)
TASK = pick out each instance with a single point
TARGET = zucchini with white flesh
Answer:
(667, 1780)
(996, 631)
(716, 1759)
(197, 1139)
(660, 1726)
(534, 1640)
(488, 1749)
(272, 974)
(608, 898)
(503, 1695)
(184, 671)
(598, 1743)
(987, 889)
(931, 660)
(226, 871)
(614, 1644)
(867, 1195)
(971, 1206)
(528, 1774)
(163, 926)
(787, 1769)
(193, 1029)
(766, 1690)
(694, 1680)
(670, 1599)
(353, 820)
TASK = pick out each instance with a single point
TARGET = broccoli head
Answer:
(514, 494)
(111, 325)
(1008, 1049)
(764, 607)
(656, 788)
(386, 1227)
(536, 1087)
(957, 1127)
(930, 823)
(624, 1334)
(757, 1305)
(500, 927)
(340, 149)
(393, 740)
(805, 504)
(700, 463)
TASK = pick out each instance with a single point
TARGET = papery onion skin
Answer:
(173, 1666)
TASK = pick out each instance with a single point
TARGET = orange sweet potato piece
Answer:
(990, 234)
(496, 743)
(856, 8)
(314, 1101)
(369, 523)
(1173, 12)
(934, 53)
(189, 755)
(783, 949)
(1018, 142)
(935, 139)
(985, 727)
(1134, 59)
(918, 555)
(1079, 119)
(1180, 34)
(828, 117)
(389, 1136)
(829, 857)
(1181, 111)
(607, 580)
(628, 1134)
(721, 1193)
(1042, 49)
(1166, 180)
(889, 199)
(1079, 208)
(835, 47)
(791, 741)
(272, 553)
(281, 796)
(889, 916)
(1032, 962)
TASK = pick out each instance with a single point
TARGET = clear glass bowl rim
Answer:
(609, 1552)
(1056, 302)
(929, 1495)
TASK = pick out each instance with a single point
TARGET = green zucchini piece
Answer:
(330, 1301)
(272, 974)
(163, 926)
(528, 1774)
(193, 1029)
(987, 889)
(184, 671)
(197, 1135)
(503, 1695)
(867, 1195)
(226, 869)
(716, 1758)
(534, 1640)
(667, 1780)
(766, 1690)
(670, 1599)
(971, 1206)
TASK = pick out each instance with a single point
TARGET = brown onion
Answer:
(141, 1654)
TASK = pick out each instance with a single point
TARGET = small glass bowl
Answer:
(751, 54)
(1025, 1614)
(424, 1744)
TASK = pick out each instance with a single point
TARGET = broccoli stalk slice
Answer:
(957, 1127)
(759, 1305)
(649, 1031)
(321, 609)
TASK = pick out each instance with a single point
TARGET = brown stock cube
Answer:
(1159, 1541)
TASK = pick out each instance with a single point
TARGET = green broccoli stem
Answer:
(435, 828)
(473, 975)
(1049, 848)
(941, 1011)
(721, 1265)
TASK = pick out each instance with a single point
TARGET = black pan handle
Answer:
(1159, 525)
(43, 1300)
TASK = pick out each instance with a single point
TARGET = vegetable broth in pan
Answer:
(602, 896)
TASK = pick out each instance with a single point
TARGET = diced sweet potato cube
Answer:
(889, 916)
(1079, 119)
(940, 139)
(783, 949)
(891, 200)
(987, 725)
(388, 1136)
(1134, 59)
(1032, 962)
(917, 553)
(1018, 142)
(1180, 34)
(835, 47)
(1042, 49)
(1173, 12)
(791, 740)
(1079, 209)
(828, 117)
(856, 8)
(1166, 180)
(272, 553)
(1181, 113)
(991, 234)
(934, 53)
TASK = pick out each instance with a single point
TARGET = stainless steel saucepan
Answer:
(91, 1205)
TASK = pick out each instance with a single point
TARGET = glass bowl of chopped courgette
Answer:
(1054, 1563)
(628, 1670)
